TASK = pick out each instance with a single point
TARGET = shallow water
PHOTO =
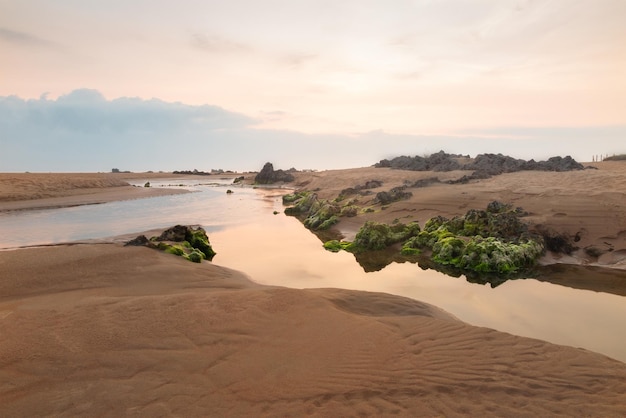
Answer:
(278, 250)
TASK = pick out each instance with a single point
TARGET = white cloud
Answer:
(331, 67)
(83, 131)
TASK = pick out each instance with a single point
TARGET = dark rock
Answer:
(140, 241)
(439, 161)
(557, 242)
(193, 172)
(484, 165)
(425, 182)
(269, 176)
(494, 164)
(372, 184)
(349, 191)
(393, 195)
(498, 207)
(194, 245)
(176, 233)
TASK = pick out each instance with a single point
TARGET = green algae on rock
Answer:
(185, 241)
(492, 241)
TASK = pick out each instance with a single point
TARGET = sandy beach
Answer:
(107, 330)
(587, 205)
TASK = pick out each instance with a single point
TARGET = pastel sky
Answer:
(85, 85)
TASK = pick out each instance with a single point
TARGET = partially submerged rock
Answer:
(269, 176)
(140, 241)
(315, 214)
(492, 241)
(185, 241)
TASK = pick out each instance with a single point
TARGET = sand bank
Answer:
(587, 204)
(23, 191)
(105, 330)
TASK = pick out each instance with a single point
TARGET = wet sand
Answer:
(106, 330)
(587, 205)
(26, 191)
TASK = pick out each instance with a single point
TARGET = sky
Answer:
(162, 85)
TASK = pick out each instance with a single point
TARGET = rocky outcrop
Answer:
(393, 195)
(484, 165)
(190, 243)
(316, 214)
(361, 189)
(268, 175)
(439, 161)
(483, 242)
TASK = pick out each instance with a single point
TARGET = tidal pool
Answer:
(274, 249)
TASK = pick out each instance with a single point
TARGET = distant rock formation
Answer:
(484, 165)
(192, 172)
(393, 195)
(269, 176)
(439, 161)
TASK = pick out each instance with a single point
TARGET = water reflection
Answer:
(208, 205)
(277, 250)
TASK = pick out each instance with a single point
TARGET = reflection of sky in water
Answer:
(278, 250)
(208, 206)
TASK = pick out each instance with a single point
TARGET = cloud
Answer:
(22, 38)
(87, 111)
(215, 44)
(84, 131)
(297, 60)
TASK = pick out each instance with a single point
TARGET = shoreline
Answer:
(34, 191)
(110, 330)
(103, 329)
(584, 206)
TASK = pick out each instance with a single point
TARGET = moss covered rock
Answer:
(378, 236)
(483, 241)
(195, 256)
(336, 245)
(199, 240)
(492, 241)
(188, 242)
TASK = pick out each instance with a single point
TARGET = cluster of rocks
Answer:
(439, 161)
(393, 195)
(484, 165)
(485, 244)
(191, 172)
(185, 241)
(361, 189)
(316, 214)
(269, 176)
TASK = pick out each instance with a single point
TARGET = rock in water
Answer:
(268, 175)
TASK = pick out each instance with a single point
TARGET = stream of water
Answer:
(275, 249)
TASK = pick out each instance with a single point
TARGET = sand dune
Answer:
(104, 330)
